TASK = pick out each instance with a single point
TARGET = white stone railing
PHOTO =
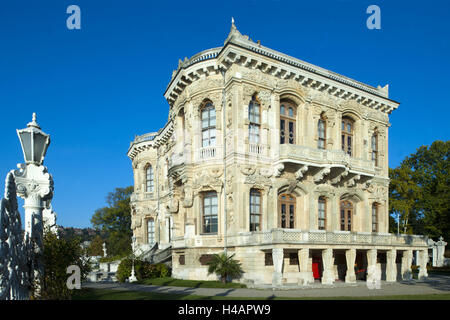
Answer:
(208, 153)
(255, 148)
(141, 196)
(293, 236)
(319, 156)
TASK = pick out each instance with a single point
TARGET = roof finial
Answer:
(33, 122)
(232, 20)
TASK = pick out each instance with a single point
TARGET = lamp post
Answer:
(35, 186)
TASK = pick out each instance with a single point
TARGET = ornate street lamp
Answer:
(35, 185)
(34, 142)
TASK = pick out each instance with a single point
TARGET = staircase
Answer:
(155, 255)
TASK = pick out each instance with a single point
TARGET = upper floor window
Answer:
(374, 143)
(286, 209)
(346, 215)
(321, 131)
(347, 135)
(255, 210)
(209, 214)
(254, 117)
(288, 115)
(322, 202)
(208, 125)
(149, 179)
(375, 217)
(151, 231)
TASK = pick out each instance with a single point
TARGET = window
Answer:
(286, 209)
(268, 260)
(322, 213)
(255, 210)
(288, 114)
(209, 212)
(375, 217)
(208, 125)
(347, 135)
(149, 179)
(375, 149)
(151, 231)
(346, 215)
(321, 131)
(254, 117)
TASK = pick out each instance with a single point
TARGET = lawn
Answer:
(191, 283)
(103, 294)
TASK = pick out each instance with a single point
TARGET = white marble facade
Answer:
(295, 155)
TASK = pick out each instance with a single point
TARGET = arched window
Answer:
(322, 213)
(255, 210)
(208, 125)
(209, 212)
(374, 143)
(346, 215)
(151, 231)
(149, 179)
(347, 135)
(286, 209)
(288, 115)
(321, 132)
(375, 217)
(254, 117)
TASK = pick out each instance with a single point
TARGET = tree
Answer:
(224, 266)
(420, 191)
(115, 221)
(96, 247)
(58, 255)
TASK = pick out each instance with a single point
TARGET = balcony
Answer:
(142, 196)
(209, 153)
(313, 237)
(321, 158)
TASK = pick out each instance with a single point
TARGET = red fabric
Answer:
(315, 270)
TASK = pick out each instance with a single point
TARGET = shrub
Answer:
(142, 270)
(124, 270)
(58, 254)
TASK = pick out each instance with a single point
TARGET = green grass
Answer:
(191, 283)
(103, 294)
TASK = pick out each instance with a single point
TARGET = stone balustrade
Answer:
(293, 236)
(324, 157)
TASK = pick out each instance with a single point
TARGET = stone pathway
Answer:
(435, 284)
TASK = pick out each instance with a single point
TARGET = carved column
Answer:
(328, 266)
(423, 260)
(350, 256)
(306, 276)
(391, 266)
(406, 265)
(277, 258)
(373, 270)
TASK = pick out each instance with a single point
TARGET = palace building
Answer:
(282, 163)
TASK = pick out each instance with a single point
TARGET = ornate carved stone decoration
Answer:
(188, 196)
(15, 251)
(206, 182)
(173, 206)
(257, 179)
(247, 169)
(352, 181)
(300, 172)
(279, 168)
(319, 176)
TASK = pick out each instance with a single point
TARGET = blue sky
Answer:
(95, 88)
